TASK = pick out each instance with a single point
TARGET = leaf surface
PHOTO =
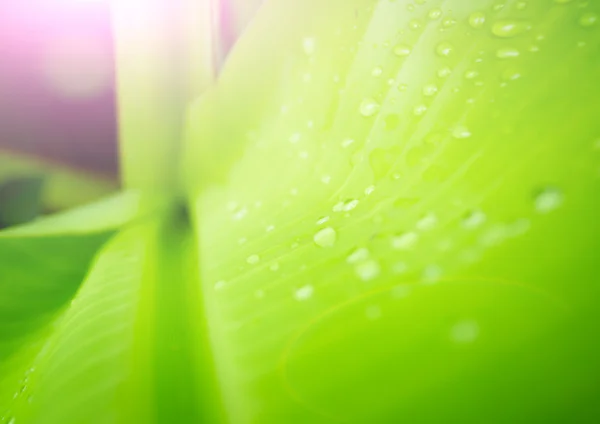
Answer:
(41, 267)
(408, 231)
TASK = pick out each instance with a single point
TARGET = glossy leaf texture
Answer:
(409, 232)
(41, 267)
(396, 211)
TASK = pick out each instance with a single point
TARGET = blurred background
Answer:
(57, 111)
(58, 131)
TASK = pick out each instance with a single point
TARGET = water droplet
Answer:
(448, 22)
(369, 190)
(219, 285)
(434, 14)
(345, 206)
(444, 49)
(240, 214)
(304, 292)
(253, 259)
(471, 74)
(308, 45)
(430, 90)
(473, 219)
(494, 235)
(347, 142)
(367, 270)
(419, 110)
(477, 20)
(402, 50)
(404, 241)
(461, 132)
(322, 220)
(369, 107)
(377, 71)
(326, 179)
(465, 331)
(414, 25)
(373, 312)
(511, 74)
(522, 5)
(427, 222)
(274, 266)
(325, 237)
(444, 72)
(588, 19)
(548, 199)
(509, 29)
(507, 53)
(358, 255)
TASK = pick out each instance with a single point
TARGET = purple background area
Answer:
(34, 119)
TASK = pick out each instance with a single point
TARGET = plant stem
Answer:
(164, 59)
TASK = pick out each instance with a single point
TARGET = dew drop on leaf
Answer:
(322, 220)
(325, 237)
(471, 74)
(477, 20)
(548, 199)
(419, 110)
(253, 259)
(402, 50)
(511, 74)
(509, 28)
(461, 132)
(435, 14)
(367, 270)
(430, 90)
(588, 19)
(358, 255)
(304, 292)
(507, 53)
(427, 222)
(444, 49)
(444, 72)
(473, 219)
(369, 107)
(404, 241)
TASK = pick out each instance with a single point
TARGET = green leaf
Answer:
(395, 221)
(132, 346)
(404, 224)
(42, 265)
